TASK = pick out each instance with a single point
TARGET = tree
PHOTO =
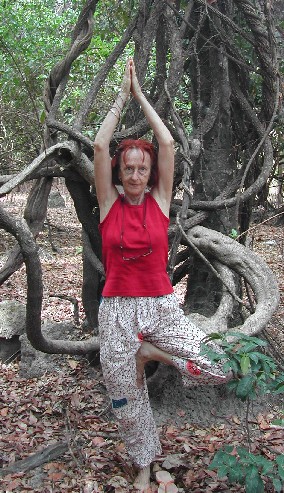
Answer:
(211, 70)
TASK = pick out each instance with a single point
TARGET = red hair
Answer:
(144, 146)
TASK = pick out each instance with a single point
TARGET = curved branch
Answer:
(81, 38)
(225, 308)
(210, 266)
(20, 230)
(219, 203)
(75, 134)
(92, 257)
(219, 320)
(248, 265)
(45, 157)
(265, 46)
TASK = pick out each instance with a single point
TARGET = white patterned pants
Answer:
(161, 322)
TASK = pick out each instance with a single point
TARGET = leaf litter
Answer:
(71, 409)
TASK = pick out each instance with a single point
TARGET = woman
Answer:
(139, 318)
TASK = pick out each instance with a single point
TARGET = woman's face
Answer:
(134, 172)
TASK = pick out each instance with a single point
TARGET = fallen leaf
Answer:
(56, 476)
(73, 363)
(98, 442)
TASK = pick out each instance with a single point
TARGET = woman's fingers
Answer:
(126, 81)
(135, 86)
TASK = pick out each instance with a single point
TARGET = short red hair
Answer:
(144, 146)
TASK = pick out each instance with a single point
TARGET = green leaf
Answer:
(280, 460)
(243, 452)
(266, 465)
(213, 336)
(234, 234)
(232, 385)
(42, 117)
(223, 471)
(278, 385)
(218, 460)
(236, 474)
(281, 472)
(277, 485)
(245, 387)
(249, 346)
(233, 365)
(245, 364)
(278, 422)
(253, 482)
(228, 449)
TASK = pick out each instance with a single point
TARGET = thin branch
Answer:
(230, 57)
(72, 300)
(75, 134)
(102, 74)
(48, 454)
(256, 151)
(258, 225)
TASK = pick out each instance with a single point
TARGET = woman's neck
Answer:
(135, 200)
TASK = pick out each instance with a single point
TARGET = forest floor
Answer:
(70, 409)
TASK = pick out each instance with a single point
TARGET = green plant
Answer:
(243, 467)
(78, 250)
(254, 373)
(233, 234)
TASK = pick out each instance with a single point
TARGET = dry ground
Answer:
(71, 407)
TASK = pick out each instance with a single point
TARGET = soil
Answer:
(186, 418)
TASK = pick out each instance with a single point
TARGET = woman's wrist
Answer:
(121, 98)
(118, 104)
(139, 96)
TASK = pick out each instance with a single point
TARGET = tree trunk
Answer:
(214, 169)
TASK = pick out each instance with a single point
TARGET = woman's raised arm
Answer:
(163, 190)
(105, 190)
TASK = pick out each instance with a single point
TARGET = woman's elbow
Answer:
(168, 143)
(98, 144)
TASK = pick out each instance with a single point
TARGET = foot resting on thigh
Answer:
(148, 352)
(142, 481)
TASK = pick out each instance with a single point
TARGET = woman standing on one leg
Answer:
(140, 318)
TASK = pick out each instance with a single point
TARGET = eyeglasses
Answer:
(149, 249)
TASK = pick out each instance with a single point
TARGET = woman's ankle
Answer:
(149, 352)
(142, 481)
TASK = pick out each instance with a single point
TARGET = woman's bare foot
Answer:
(148, 352)
(142, 481)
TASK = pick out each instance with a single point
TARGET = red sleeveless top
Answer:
(135, 249)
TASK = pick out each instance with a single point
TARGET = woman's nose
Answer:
(135, 174)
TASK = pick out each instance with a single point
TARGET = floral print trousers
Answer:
(123, 322)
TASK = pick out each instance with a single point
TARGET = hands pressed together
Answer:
(130, 83)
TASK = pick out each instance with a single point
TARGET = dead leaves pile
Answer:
(71, 410)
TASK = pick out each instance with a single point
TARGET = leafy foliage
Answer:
(241, 466)
(254, 372)
(33, 38)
